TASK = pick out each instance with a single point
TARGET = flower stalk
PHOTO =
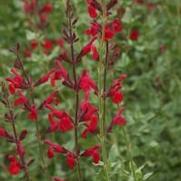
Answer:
(38, 134)
(102, 79)
(12, 119)
(76, 88)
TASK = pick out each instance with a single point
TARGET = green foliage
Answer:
(152, 91)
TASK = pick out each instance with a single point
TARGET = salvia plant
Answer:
(77, 138)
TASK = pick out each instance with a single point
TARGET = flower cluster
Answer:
(17, 162)
(85, 119)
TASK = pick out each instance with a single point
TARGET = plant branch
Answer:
(73, 61)
(21, 157)
(102, 79)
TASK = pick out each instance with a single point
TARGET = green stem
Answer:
(102, 79)
(128, 145)
(23, 162)
(73, 61)
(38, 134)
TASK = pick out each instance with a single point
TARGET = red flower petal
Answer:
(92, 11)
(14, 166)
(134, 35)
(71, 160)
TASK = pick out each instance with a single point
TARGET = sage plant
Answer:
(91, 99)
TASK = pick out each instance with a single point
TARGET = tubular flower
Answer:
(134, 35)
(54, 148)
(3, 132)
(44, 78)
(59, 120)
(71, 160)
(34, 44)
(92, 152)
(47, 46)
(118, 120)
(59, 73)
(95, 53)
(51, 99)
(94, 29)
(15, 82)
(21, 100)
(53, 123)
(65, 123)
(91, 126)
(14, 166)
(33, 114)
(86, 83)
(47, 8)
(91, 9)
(87, 110)
(114, 92)
(112, 29)
(88, 114)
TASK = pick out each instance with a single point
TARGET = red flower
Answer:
(91, 126)
(50, 153)
(15, 82)
(3, 132)
(71, 160)
(44, 78)
(47, 8)
(65, 123)
(54, 148)
(117, 97)
(112, 29)
(94, 29)
(134, 35)
(86, 83)
(14, 166)
(118, 120)
(55, 113)
(87, 110)
(47, 46)
(92, 152)
(117, 26)
(89, 116)
(29, 5)
(92, 11)
(87, 48)
(114, 92)
(59, 73)
(108, 33)
(90, 48)
(21, 100)
(34, 44)
(52, 98)
(53, 123)
(33, 114)
(59, 121)
(95, 54)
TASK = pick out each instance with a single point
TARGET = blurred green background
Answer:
(152, 89)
